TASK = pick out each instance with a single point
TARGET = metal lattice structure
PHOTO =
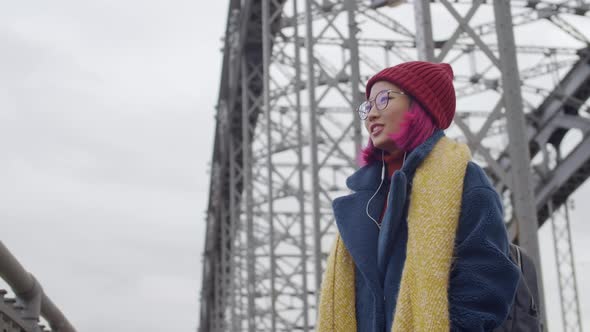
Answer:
(287, 136)
(568, 290)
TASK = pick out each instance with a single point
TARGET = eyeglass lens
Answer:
(380, 101)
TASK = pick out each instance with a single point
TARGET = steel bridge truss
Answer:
(287, 136)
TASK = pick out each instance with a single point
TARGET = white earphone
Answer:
(383, 170)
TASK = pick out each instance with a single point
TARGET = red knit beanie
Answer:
(431, 84)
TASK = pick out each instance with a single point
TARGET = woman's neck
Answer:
(394, 161)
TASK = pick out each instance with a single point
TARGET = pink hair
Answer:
(416, 127)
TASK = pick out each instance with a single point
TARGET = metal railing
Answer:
(31, 303)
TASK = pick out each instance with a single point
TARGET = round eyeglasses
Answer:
(380, 101)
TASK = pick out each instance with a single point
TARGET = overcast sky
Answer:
(106, 131)
(107, 117)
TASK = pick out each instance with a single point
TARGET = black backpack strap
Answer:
(517, 256)
(524, 313)
(529, 273)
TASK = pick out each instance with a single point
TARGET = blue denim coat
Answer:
(483, 279)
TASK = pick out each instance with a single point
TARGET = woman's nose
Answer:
(373, 113)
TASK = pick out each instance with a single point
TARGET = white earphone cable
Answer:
(383, 172)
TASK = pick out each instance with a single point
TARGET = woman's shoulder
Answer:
(475, 177)
(481, 210)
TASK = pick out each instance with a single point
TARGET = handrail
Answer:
(28, 290)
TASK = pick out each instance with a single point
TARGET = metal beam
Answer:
(27, 289)
(522, 184)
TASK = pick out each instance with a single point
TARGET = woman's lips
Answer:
(376, 130)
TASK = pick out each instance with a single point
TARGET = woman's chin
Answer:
(387, 145)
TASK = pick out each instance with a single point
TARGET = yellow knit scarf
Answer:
(435, 204)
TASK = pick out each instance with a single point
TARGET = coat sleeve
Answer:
(483, 279)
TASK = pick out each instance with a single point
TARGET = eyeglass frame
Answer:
(365, 114)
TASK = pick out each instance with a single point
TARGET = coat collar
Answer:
(358, 231)
(417, 156)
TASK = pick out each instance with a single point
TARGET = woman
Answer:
(421, 242)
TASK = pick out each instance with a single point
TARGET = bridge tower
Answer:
(287, 135)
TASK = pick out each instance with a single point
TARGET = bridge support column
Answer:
(521, 179)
